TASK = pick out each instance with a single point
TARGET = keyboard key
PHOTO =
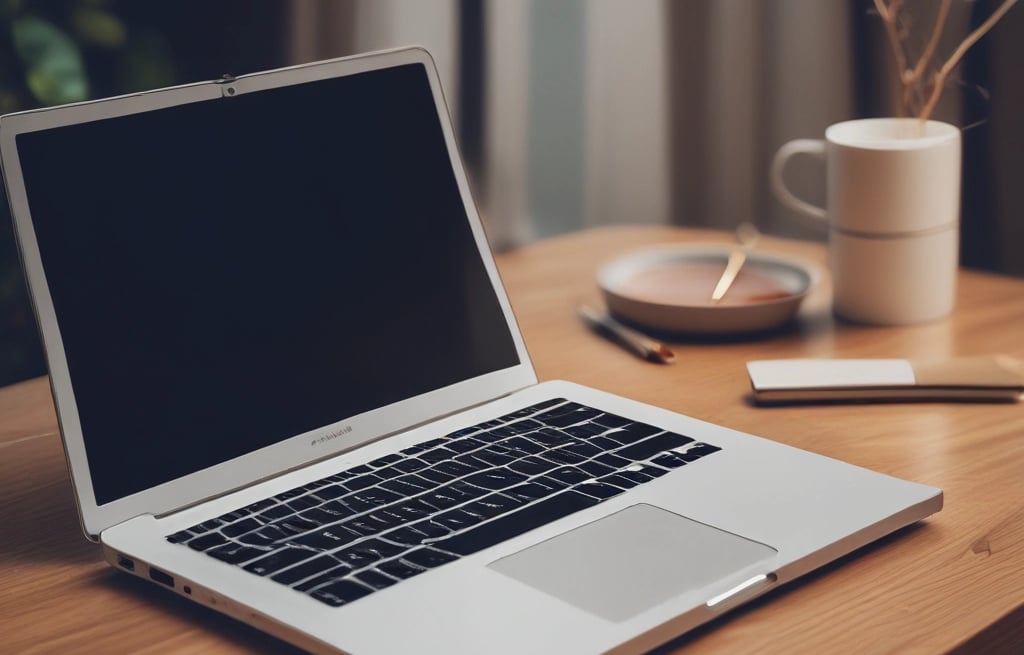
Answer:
(207, 541)
(436, 476)
(464, 432)
(265, 536)
(412, 510)
(612, 460)
(363, 481)
(340, 592)
(698, 450)
(435, 455)
(375, 579)
(583, 448)
(525, 425)
(636, 474)
(258, 506)
(319, 516)
(521, 446)
(381, 462)
(598, 489)
(234, 553)
(398, 569)
(329, 538)
(275, 512)
(428, 558)
(431, 529)
(491, 506)
(595, 469)
(652, 446)
(620, 481)
(387, 517)
(454, 468)
(307, 569)
(302, 502)
(180, 537)
(365, 525)
(670, 460)
(650, 471)
(441, 499)
(410, 465)
(496, 479)
(632, 433)
(473, 462)
(296, 525)
(456, 519)
(367, 552)
(465, 490)
(578, 414)
(207, 526)
(532, 409)
(291, 493)
(278, 560)
(611, 420)
(514, 524)
(585, 430)
(240, 527)
(331, 575)
(549, 438)
(330, 492)
(404, 489)
(532, 466)
(531, 491)
(604, 443)
(369, 499)
(405, 535)
(568, 475)
(563, 456)
(465, 445)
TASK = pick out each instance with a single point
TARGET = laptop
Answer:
(291, 388)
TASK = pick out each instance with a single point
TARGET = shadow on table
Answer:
(779, 594)
(181, 609)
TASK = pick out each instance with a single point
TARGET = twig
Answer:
(888, 14)
(939, 81)
(926, 56)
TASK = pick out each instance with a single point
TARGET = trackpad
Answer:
(625, 563)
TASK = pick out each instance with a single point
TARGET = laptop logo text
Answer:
(331, 435)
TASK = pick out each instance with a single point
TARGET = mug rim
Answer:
(850, 134)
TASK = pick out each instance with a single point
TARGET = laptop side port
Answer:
(161, 577)
(126, 563)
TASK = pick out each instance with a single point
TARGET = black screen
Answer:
(230, 273)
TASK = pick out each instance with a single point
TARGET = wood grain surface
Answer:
(952, 582)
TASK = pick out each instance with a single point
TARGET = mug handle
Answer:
(814, 147)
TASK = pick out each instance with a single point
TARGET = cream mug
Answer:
(893, 215)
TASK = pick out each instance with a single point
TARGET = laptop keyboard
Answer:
(369, 527)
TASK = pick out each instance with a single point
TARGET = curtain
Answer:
(574, 113)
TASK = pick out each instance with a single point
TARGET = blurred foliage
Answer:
(54, 52)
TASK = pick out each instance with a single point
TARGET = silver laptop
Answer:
(291, 389)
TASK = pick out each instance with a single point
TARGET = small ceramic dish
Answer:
(669, 289)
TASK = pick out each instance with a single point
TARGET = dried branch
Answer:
(939, 81)
(888, 13)
(933, 42)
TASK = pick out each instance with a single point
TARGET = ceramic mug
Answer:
(893, 214)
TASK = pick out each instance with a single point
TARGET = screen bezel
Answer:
(294, 451)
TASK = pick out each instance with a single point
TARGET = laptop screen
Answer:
(231, 273)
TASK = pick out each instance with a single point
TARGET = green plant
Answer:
(54, 52)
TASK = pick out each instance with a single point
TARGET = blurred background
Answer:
(569, 113)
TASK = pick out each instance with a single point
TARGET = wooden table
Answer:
(953, 582)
